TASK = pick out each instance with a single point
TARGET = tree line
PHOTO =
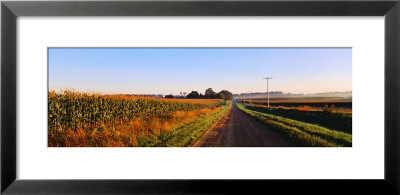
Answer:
(209, 93)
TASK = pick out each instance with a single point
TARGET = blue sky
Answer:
(174, 70)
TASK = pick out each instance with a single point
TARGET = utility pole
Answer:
(250, 96)
(267, 78)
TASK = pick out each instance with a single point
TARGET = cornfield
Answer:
(90, 115)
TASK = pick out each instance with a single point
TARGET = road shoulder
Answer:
(210, 137)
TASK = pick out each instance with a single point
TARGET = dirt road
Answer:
(237, 129)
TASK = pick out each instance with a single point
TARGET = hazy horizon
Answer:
(174, 70)
(202, 92)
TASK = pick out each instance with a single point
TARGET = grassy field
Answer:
(85, 120)
(329, 117)
(185, 135)
(342, 104)
(305, 128)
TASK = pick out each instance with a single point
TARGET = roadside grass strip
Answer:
(303, 134)
(185, 135)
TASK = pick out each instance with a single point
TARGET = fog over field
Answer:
(281, 95)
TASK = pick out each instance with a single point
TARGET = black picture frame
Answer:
(10, 10)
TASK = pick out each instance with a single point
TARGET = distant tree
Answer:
(225, 94)
(329, 109)
(201, 95)
(193, 94)
(210, 93)
(169, 96)
(221, 95)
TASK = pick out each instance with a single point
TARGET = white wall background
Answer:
(363, 161)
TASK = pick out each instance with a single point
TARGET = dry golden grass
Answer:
(90, 119)
(305, 104)
(304, 108)
(307, 108)
(125, 133)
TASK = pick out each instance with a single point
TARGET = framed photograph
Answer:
(204, 97)
(138, 97)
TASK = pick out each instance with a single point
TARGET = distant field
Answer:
(301, 101)
(182, 100)
(198, 101)
(304, 98)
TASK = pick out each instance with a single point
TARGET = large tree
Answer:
(225, 94)
(193, 94)
(169, 96)
(210, 93)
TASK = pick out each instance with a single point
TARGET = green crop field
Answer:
(305, 128)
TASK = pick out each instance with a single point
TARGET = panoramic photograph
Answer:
(199, 97)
